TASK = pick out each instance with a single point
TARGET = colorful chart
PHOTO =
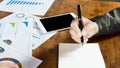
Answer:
(34, 36)
(22, 2)
(12, 60)
(2, 50)
(12, 24)
(20, 15)
(26, 23)
(7, 41)
(35, 27)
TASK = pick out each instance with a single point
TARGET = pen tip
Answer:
(82, 44)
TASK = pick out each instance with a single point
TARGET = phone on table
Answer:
(56, 23)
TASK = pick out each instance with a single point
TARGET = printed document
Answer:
(36, 7)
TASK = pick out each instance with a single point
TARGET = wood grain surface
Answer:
(109, 44)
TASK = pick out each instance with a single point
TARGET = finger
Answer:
(90, 30)
(85, 31)
(85, 40)
(85, 21)
(76, 32)
(74, 36)
(74, 26)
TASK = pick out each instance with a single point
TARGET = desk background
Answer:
(109, 44)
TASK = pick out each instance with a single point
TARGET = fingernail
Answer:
(84, 33)
(80, 35)
(85, 40)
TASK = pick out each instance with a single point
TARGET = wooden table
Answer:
(109, 44)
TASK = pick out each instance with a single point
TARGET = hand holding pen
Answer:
(89, 29)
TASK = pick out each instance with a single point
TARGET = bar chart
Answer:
(23, 2)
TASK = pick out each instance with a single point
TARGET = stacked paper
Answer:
(20, 32)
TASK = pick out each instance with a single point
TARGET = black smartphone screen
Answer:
(58, 22)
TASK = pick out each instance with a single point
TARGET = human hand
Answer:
(8, 65)
(90, 28)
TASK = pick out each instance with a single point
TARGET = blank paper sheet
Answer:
(73, 55)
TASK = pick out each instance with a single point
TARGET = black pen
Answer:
(80, 21)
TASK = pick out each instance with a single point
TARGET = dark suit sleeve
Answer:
(109, 22)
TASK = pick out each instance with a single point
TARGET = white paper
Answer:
(1, 27)
(38, 37)
(12, 56)
(24, 37)
(36, 7)
(76, 56)
(9, 28)
(18, 33)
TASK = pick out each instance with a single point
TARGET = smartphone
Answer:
(56, 23)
